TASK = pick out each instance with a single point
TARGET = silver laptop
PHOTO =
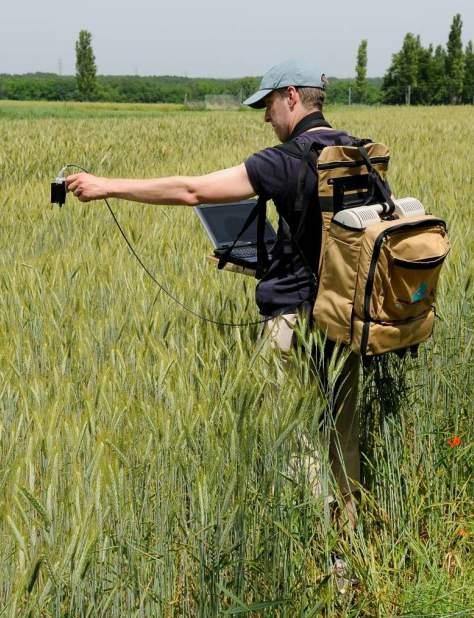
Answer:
(223, 223)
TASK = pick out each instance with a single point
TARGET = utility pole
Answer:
(349, 97)
(408, 95)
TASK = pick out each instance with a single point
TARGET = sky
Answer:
(208, 38)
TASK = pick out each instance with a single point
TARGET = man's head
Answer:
(288, 92)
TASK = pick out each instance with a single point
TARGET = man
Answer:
(292, 94)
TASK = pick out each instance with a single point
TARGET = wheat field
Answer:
(146, 457)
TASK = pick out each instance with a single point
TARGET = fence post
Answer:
(408, 95)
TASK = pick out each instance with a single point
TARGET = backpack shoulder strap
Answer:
(293, 148)
(308, 154)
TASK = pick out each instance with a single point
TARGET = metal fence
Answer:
(215, 101)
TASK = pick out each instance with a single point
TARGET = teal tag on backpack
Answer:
(420, 293)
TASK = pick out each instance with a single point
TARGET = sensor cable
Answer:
(152, 276)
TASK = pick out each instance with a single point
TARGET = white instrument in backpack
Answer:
(360, 217)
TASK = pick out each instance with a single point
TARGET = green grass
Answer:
(145, 456)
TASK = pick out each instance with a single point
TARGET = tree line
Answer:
(417, 75)
(121, 88)
(154, 89)
(431, 76)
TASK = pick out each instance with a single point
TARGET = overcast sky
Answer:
(218, 38)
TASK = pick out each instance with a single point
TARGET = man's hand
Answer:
(87, 187)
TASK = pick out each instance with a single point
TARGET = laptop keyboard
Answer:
(244, 252)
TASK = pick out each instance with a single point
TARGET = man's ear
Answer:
(292, 96)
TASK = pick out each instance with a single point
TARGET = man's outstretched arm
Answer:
(223, 186)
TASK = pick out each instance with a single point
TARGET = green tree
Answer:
(86, 71)
(360, 90)
(423, 93)
(438, 81)
(248, 85)
(401, 78)
(468, 91)
(455, 61)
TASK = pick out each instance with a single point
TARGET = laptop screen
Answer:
(223, 222)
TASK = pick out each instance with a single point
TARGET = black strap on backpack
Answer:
(308, 154)
(378, 190)
(259, 212)
(304, 193)
(305, 199)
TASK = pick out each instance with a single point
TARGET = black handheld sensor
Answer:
(58, 189)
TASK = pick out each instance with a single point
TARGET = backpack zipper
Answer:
(420, 264)
(359, 163)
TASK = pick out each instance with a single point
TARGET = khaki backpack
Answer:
(377, 283)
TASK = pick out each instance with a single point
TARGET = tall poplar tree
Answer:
(468, 92)
(361, 72)
(438, 83)
(86, 70)
(455, 61)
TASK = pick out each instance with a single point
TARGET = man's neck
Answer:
(310, 120)
(299, 115)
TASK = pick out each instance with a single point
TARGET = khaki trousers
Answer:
(344, 450)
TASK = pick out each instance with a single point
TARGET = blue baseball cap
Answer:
(289, 73)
